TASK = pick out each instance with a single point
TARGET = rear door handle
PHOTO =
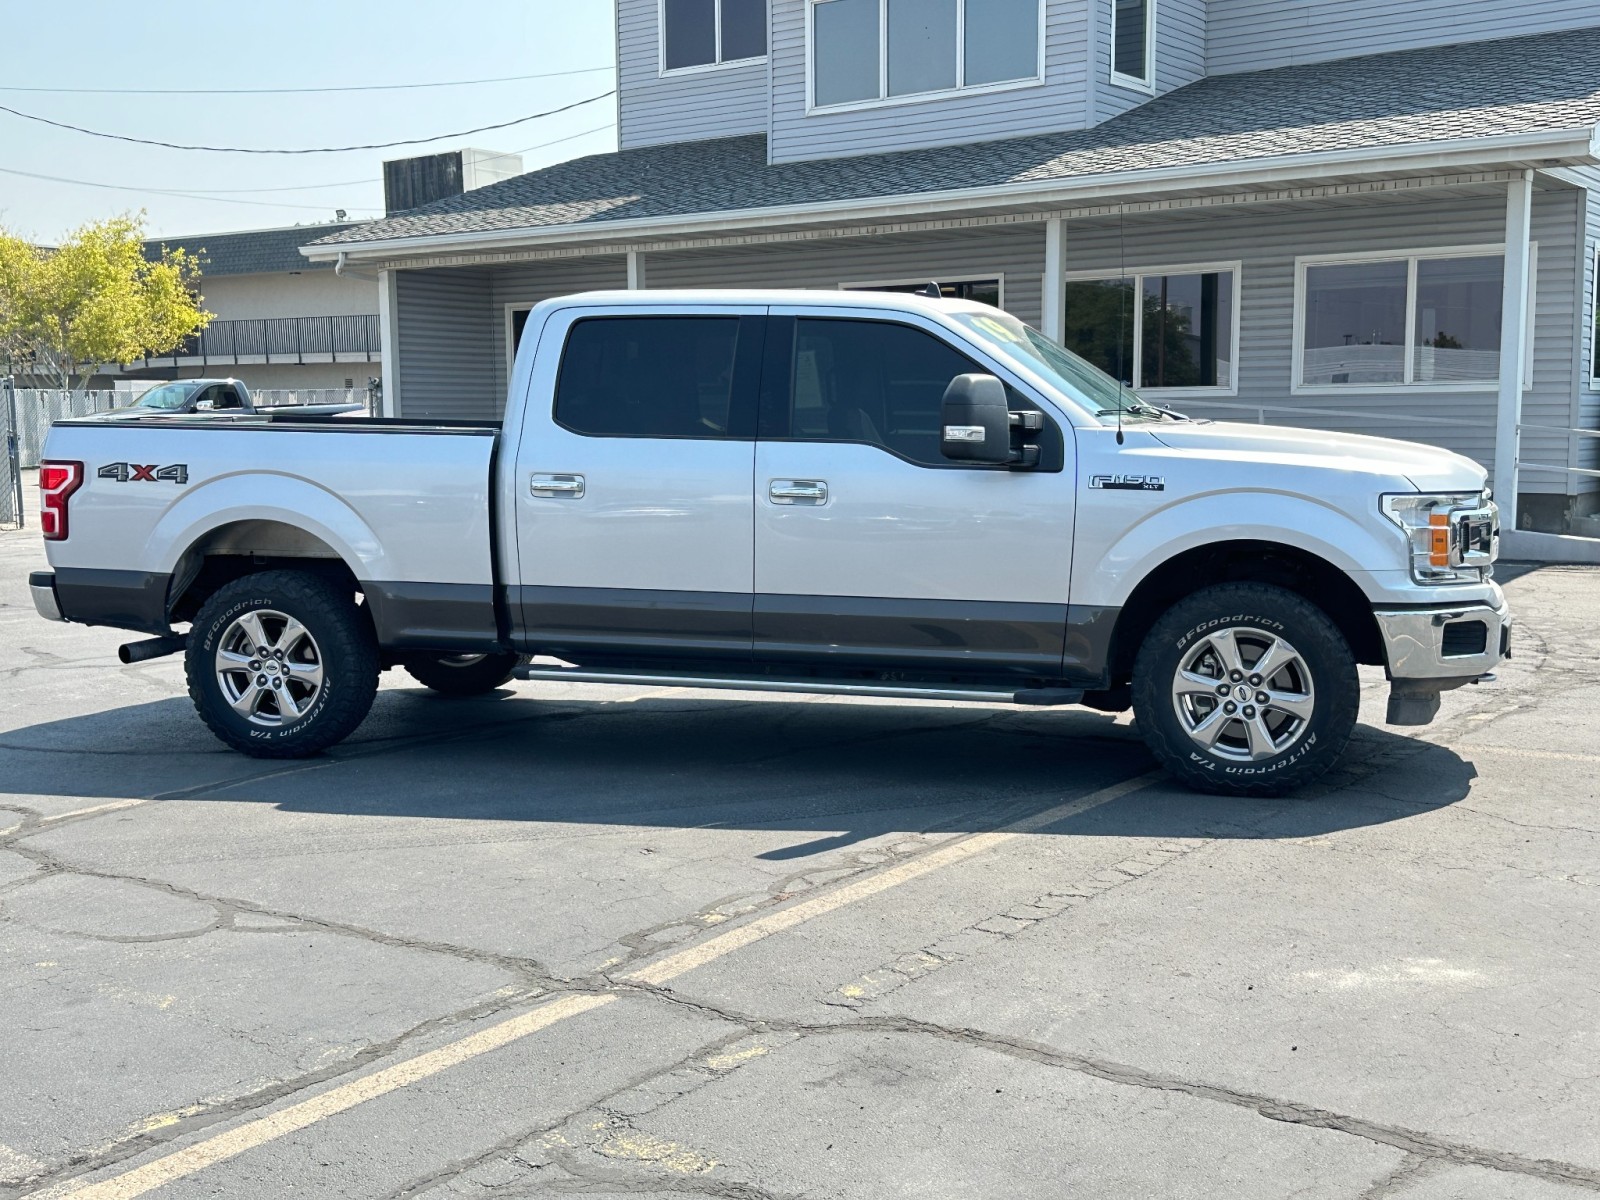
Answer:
(798, 491)
(557, 485)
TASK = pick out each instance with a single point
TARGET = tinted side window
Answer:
(649, 377)
(874, 382)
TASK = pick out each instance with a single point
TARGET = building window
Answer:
(1426, 319)
(990, 291)
(870, 51)
(1159, 330)
(1594, 349)
(708, 33)
(1133, 41)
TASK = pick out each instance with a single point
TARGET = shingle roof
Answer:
(252, 252)
(1516, 85)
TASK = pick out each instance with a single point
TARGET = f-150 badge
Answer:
(1129, 483)
(134, 473)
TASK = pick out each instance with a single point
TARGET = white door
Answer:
(871, 547)
(635, 521)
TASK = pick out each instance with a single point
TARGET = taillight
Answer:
(57, 482)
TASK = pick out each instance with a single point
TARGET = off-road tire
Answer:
(347, 649)
(1273, 611)
(461, 674)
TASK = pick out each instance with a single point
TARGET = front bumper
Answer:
(1435, 649)
(1445, 641)
(43, 586)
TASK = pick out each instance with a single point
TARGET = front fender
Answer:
(267, 496)
(1113, 558)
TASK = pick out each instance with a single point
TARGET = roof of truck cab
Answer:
(812, 297)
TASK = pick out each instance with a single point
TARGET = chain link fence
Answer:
(36, 408)
(10, 460)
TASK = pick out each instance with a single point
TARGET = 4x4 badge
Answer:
(135, 473)
(1129, 483)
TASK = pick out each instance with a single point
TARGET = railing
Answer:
(282, 339)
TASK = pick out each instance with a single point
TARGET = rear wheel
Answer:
(462, 674)
(281, 664)
(1246, 689)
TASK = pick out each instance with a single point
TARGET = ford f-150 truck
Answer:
(837, 493)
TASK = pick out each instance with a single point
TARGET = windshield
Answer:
(168, 396)
(1058, 365)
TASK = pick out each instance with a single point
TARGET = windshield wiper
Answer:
(1143, 410)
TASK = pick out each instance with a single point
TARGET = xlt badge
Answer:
(1129, 483)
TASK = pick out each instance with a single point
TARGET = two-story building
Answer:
(1353, 214)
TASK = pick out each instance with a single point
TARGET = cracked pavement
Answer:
(1383, 988)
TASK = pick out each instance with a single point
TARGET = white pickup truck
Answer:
(838, 493)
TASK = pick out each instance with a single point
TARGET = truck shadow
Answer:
(856, 770)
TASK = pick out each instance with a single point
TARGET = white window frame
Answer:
(1410, 257)
(1593, 324)
(1138, 275)
(511, 309)
(997, 276)
(1148, 83)
(885, 100)
(662, 70)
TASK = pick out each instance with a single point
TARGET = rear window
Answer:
(648, 377)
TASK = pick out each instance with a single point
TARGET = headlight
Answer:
(1454, 537)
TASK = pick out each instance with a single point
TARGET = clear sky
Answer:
(286, 43)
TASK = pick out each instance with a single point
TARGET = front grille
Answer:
(1465, 639)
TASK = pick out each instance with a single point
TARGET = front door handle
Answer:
(798, 491)
(556, 485)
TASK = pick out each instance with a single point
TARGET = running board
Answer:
(1035, 697)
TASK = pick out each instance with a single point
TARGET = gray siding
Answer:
(1180, 54)
(524, 286)
(1267, 242)
(1014, 252)
(1061, 102)
(1250, 35)
(445, 344)
(682, 107)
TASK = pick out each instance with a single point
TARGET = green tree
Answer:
(95, 299)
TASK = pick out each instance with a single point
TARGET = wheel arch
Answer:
(1307, 574)
(237, 548)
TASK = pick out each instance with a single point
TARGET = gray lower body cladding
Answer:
(1025, 640)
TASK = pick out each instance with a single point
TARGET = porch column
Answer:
(636, 281)
(1054, 317)
(389, 341)
(1513, 345)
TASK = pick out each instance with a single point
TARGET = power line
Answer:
(370, 87)
(117, 187)
(225, 195)
(118, 137)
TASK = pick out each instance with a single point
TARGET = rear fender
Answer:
(266, 496)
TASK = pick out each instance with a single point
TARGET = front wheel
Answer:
(462, 674)
(282, 664)
(1246, 690)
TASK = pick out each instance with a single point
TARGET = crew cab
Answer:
(838, 493)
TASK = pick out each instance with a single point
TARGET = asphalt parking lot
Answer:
(663, 943)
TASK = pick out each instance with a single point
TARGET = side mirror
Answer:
(205, 405)
(975, 421)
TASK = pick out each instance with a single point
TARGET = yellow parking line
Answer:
(89, 812)
(236, 1141)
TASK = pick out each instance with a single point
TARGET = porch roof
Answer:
(1523, 101)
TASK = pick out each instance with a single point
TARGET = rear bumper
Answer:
(122, 599)
(43, 586)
